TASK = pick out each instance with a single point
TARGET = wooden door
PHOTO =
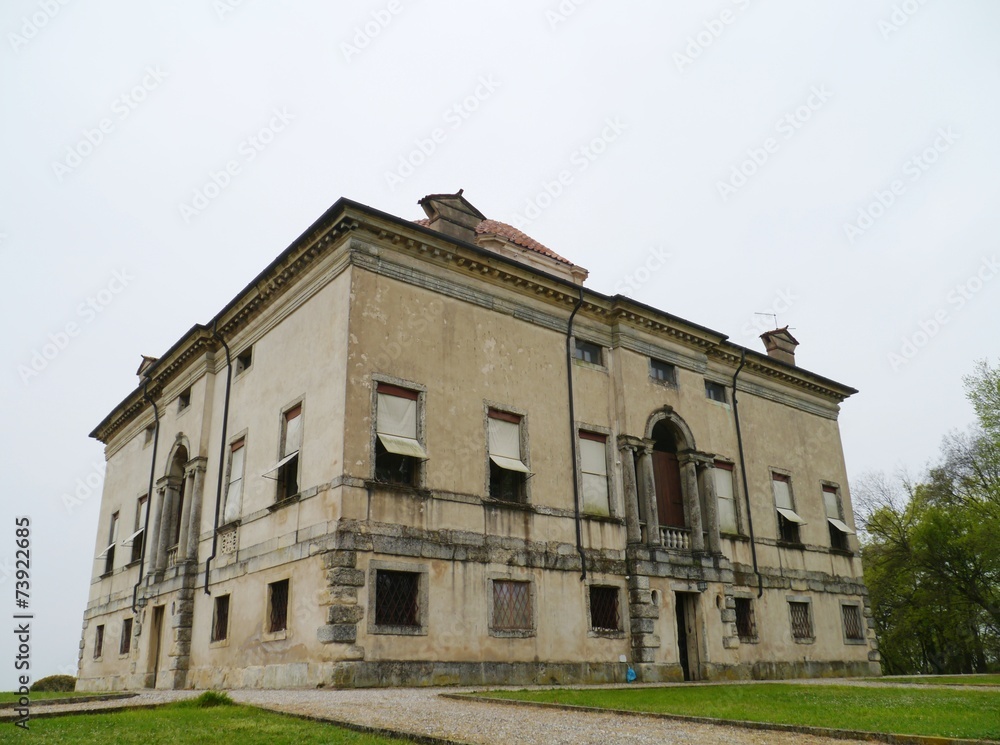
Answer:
(669, 498)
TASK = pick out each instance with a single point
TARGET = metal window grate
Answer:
(801, 625)
(278, 606)
(852, 622)
(511, 605)
(126, 643)
(396, 598)
(220, 622)
(604, 609)
(746, 624)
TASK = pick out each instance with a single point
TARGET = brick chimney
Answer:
(780, 345)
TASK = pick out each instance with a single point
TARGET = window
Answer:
(594, 469)
(396, 598)
(139, 536)
(838, 528)
(234, 489)
(723, 475)
(715, 391)
(788, 519)
(220, 617)
(854, 631)
(801, 620)
(746, 624)
(184, 399)
(604, 614)
(587, 352)
(125, 646)
(398, 451)
(277, 606)
(243, 360)
(511, 606)
(662, 371)
(508, 473)
(108, 554)
(149, 432)
(286, 470)
(99, 642)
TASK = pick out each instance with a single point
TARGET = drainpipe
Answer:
(572, 436)
(743, 472)
(222, 453)
(149, 497)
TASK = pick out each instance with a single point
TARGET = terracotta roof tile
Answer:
(512, 234)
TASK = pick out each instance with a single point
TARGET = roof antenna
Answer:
(774, 318)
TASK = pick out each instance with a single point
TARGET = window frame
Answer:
(602, 632)
(729, 467)
(270, 632)
(241, 367)
(148, 433)
(787, 530)
(99, 641)
(582, 348)
(213, 638)
(238, 443)
(286, 460)
(806, 601)
(409, 391)
(184, 400)
(512, 632)
(125, 643)
(669, 382)
(422, 572)
(593, 434)
(862, 624)
(138, 537)
(714, 385)
(494, 471)
(754, 636)
(839, 530)
(108, 554)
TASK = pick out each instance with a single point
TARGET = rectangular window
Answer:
(838, 528)
(99, 642)
(108, 554)
(398, 452)
(184, 399)
(125, 646)
(508, 472)
(149, 432)
(594, 470)
(220, 618)
(801, 622)
(715, 391)
(604, 615)
(286, 470)
(138, 537)
(243, 360)
(511, 606)
(788, 518)
(277, 606)
(662, 371)
(853, 630)
(723, 475)
(588, 352)
(396, 598)
(746, 624)
(234, 487)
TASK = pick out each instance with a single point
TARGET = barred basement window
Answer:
(511, 605)
(99, 642)
(852, 622)
(396, 596)
(801, 623)
(746, 625)
(125, 646)
(277, 606)
(604, 614)
(220, 619)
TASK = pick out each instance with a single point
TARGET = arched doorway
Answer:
(177, 475)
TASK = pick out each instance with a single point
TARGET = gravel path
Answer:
(421, 711)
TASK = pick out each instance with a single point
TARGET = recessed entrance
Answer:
(688, 647)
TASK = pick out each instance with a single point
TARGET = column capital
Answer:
(168, 482)
(705, 460)
(629, 442)
(195, 465)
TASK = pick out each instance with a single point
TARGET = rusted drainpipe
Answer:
(572, 436)
(222, 454)
(743, 472)
(149, 497)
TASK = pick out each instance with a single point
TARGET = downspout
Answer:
(222, 454)
(743, 473)
(149, 497)
(572, 437)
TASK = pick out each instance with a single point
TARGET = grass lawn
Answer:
(9, 697)
(946, 680)
(913, 711)
(186, 723)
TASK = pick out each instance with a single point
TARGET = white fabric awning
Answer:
(105, 551)
(402, 445)
(396, 416)
(511, 464)
(279, 464)
(840, 525)
(128, 541)
(791, 516)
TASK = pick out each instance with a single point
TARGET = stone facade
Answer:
(369, 469)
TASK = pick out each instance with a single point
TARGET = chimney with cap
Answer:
(780, 345)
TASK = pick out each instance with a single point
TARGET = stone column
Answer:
(185, 516)
(166, 524)
(711, 506)
(631, 494)
(647, 493)
(194, 523)
(155, 507)
(692, 500)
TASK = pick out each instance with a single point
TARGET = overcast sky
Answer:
(835, 163)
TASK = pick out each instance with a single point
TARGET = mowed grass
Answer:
(945, 680)
(913, 711)
(184, 723)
